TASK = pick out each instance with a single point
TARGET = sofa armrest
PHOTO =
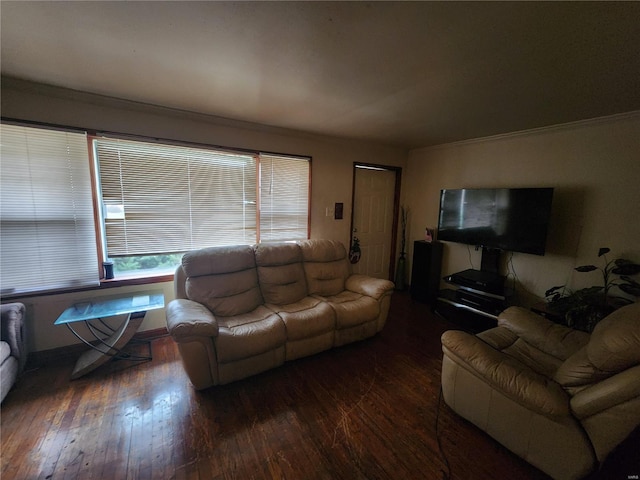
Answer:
(608, 393)
(551, 338)
(506, 374)
(369, 286)
(187, 319)
(13, 331)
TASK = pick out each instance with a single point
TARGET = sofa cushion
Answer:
(614, 346)
(280, 273)
(353, 309)
(214, 260)
(326, 266)
(309, 317)
(224, 279)
(226, 294)
(249, 334)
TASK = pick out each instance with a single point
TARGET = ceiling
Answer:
(410, 74)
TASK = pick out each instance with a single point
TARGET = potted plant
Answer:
(583, 309)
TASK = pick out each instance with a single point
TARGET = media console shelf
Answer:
(474, 300)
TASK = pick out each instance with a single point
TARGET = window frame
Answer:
(137, 279)
(145, 278)
(77, 178)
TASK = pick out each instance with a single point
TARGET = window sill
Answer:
(133, 279)
(112, 283)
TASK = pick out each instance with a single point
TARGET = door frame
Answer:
(396, 208)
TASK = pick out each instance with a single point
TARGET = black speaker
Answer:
(426, 270)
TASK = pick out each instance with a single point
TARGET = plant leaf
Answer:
(629, 280)
(586, 268)
(626, 269)
(622, 261)
(603, 251)
(552, 290)
(589, 293)
(630, 289)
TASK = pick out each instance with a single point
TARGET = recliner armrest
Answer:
(551, 338)
(607, 393)
(369, 286)
(13, 331)
(187, 319)
(507, 375)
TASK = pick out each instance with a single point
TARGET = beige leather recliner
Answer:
(559, 398)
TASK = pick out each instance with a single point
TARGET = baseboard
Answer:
(38, 359)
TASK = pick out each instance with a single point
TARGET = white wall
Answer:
(594, 167)
(332, 169)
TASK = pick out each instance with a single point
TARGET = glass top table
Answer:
(107, 341)
(111, 306)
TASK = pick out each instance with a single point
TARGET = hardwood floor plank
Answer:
(363, 411)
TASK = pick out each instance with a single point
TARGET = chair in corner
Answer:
(13, 351)
(559, 398)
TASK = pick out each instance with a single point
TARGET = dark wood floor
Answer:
(363, 411)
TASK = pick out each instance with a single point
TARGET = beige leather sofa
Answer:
(242, 310)
(559, 398)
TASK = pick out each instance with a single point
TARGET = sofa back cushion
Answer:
(613, 347)
(280, 273)
(224, 279)
(326, 266)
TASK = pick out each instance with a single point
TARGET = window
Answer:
(154, 202)
(47, 225)
(284, 198)
(159, 201)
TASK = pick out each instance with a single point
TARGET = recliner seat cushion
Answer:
(250, 334)
(506, 374)
(309, 317)
(353, 309)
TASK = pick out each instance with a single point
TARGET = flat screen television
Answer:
(513, 219)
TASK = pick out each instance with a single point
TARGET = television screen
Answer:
(514, 219)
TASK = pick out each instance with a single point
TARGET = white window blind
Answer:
(47, 226)
(161, 199)
(284, 198)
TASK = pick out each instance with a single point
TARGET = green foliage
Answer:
(139, 263)
(584, 308)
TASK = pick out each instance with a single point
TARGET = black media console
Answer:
(474, 299)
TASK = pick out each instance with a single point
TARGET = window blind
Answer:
(284, 198)
(46, 213)
(166, 199)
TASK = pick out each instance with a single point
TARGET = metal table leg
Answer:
(109, 347)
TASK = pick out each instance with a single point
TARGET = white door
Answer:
(373, 205)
